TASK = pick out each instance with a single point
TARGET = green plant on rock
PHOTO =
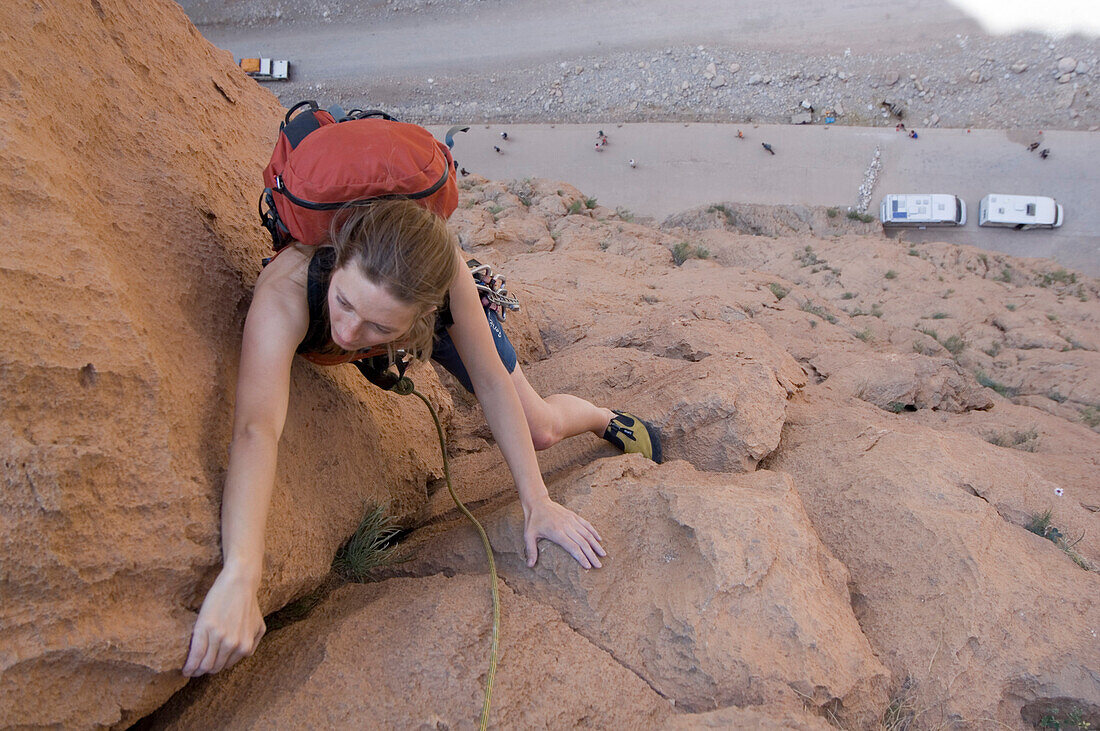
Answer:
(831, 212)
(1041, 525)
(985, 380)
(590, 202)
(683, 251)
(778, 290)
(891, 274)
(954, 344)
(848, 296)
(370, 546)
(575, 207)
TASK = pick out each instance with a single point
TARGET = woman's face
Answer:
(363, 314)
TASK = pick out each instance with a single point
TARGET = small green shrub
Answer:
(831, 212)
(1040, 525)
(590, 202)
(1052, 317)
(1075, 719)
(778, 290)
(913, 251)
(985, 380)
(848, 296)
(1010, 307)
(624, 214)
(857, 216)
(1090, 415)
(876, 310)
(369, 547)
(683, 251)
(575, 207)
(940, 315)
(954, 344)
(813, 309)
(1006, 275)
(865, 335)
(1058, 276)
(1053, 395)
(891, 274)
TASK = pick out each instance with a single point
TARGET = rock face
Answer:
(411, 654)
(130, 246)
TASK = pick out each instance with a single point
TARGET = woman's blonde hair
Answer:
(408, 250)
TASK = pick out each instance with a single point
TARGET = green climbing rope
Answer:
(404, 386)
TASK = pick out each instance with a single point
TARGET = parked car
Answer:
(922, 210)
(266, 69)
(1019, 211)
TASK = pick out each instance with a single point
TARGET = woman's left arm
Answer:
(543, 518)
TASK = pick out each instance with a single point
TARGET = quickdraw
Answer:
(494, 294)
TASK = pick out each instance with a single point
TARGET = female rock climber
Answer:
(391, 277)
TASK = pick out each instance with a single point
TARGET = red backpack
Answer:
(326, 160)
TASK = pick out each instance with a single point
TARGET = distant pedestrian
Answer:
(632, 163)
(1044, 152)
(464, 172)
(767, 147)
(504, 135)
(600, 134)
(1033, 147)
(599, 147)
(498, 149)
(913, 133)
(740, 135)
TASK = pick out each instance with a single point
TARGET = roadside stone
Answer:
(976, 77)
(734, 68)
(685, 85)
(802, 118)
(755, 79)
(1064, 96)
(718, 82)
(1065, 78)
(839, 109)
(711, 71)
(1019, 67)
(1082, 68)
(1067, 64)
(934, 120)
(842, 76)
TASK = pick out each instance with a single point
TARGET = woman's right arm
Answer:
(230, 624)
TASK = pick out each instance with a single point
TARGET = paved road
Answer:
(525, 32)
(685, 165)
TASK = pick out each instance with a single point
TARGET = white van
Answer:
(923, 210)
(1019, 211)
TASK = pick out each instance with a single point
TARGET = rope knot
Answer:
(404, 386)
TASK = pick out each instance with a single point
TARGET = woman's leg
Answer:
(558, 416)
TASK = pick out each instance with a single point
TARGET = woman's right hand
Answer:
(229, 626)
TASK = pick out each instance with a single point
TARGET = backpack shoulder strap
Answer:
(317, 278)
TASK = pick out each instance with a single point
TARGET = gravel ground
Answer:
(1020, 81)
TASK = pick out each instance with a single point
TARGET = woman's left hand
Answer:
(548, 519)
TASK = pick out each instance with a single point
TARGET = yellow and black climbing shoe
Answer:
(634, 436)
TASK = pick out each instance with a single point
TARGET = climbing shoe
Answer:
(634, 436)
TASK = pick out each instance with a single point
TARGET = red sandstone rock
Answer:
(130, 168)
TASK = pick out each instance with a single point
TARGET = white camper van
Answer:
(1019, 211)
(923, 210)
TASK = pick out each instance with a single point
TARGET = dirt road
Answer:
(653, 60)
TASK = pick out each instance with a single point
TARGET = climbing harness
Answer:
(401, 384)
(491, 287)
